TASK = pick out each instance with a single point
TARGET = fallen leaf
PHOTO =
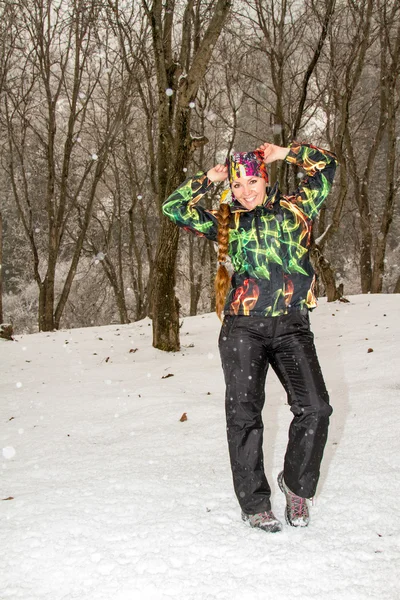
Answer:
(166, 376)
(133, 350)
(183, 418)
(11, 418)
(107, 359)
(370, 350)
(9, 498)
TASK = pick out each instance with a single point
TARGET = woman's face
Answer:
(249, 190)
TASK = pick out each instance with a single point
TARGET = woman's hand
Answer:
(271, 152)
(218, 173)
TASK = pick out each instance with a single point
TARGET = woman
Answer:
(266, 303)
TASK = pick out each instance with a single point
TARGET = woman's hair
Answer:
(239, 164)
(222, 279)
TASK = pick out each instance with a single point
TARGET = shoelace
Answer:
(265, 516)
(298, 505)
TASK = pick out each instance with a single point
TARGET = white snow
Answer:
(107, 495)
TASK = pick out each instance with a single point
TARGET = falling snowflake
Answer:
(169, 92)
(95, 157)
(8, 452)
(191, 105)
(276, 128)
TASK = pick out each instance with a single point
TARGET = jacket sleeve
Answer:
(181, 207)
(319, 167)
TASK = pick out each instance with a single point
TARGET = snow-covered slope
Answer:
(106, 494)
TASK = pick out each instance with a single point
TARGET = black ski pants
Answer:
(248, 345)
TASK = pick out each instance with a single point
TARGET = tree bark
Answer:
(183, 78)
(1, 269)
(397, 287)
(390, 77)
(324, 270)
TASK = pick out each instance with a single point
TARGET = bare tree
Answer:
(389, 18)
(179, 71)
(7, 35)
(62, 119)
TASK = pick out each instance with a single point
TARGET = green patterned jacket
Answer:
(269, 245)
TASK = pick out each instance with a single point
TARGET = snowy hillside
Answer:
(106, 494)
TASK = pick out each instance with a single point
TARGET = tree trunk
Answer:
(212, 257)
(1, 269)
(397, 287)
(390, 79)
(324, 270)
(118, 289)
(174, 147)
(192, 280)
(165, 305)
(196, 272)
(46, 319)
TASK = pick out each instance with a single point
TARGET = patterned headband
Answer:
(243, 164)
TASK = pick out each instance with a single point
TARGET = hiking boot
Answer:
(296, 513)
(265, 521)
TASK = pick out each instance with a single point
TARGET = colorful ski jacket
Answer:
(269, 245)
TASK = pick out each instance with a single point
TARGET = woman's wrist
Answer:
(272, 152)
(217, 173)
(283, 152)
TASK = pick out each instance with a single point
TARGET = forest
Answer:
(106, 106)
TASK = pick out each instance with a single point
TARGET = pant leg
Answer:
(245, 367)
(295, 361)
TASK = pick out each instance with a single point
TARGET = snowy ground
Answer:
(106, 494)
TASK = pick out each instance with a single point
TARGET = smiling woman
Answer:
(265, 304)
(250, 191)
